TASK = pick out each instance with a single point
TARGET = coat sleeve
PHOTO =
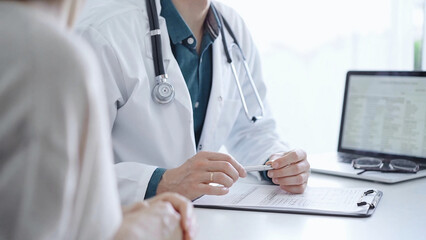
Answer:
(248, 142)
(112, 74)
(132, 177)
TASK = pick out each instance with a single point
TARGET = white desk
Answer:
(401, 214)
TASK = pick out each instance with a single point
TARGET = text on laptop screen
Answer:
(386, 114)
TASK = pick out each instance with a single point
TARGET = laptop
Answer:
(383, 116)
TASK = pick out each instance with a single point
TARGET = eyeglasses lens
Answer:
(402, 164)
(367, 162)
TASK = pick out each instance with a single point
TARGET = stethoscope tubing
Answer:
(155, 38)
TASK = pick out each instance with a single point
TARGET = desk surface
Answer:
(401, 214)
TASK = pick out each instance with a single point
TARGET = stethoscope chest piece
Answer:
(163, 92)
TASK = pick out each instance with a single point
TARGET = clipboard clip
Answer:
(362, 202)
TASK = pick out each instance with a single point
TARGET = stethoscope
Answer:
(163, 92)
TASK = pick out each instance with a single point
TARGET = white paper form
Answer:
(271, 197)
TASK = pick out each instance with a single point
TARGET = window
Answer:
(307, 46)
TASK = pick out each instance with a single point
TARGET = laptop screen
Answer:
(384, 113)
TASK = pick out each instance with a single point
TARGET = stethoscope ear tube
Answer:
(236, 45)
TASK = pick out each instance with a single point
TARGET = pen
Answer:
(258, 168)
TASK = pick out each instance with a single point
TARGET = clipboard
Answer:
(352, 202)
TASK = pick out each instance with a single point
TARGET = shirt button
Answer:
(196, 104)
(219, 98)
(190, 41)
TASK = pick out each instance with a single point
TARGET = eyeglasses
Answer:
(376, 164)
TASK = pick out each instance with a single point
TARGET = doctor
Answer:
(167, 131)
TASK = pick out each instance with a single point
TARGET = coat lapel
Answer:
(221, 73)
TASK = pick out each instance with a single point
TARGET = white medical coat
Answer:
(147, 135)
(56, 169)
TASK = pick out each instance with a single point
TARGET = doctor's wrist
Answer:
(164, 185)
(153, 183)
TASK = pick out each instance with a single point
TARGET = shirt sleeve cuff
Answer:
(151, 190)
(264, 174)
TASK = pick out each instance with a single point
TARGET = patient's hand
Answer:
(166, 216)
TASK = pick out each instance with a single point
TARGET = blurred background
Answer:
(307, 46)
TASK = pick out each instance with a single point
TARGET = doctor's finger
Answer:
(223, 167)
(291, 157)
(213, 156)
(218, 177)
(291, 170)
(292, 180)
(212, 190)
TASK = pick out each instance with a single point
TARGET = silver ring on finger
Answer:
(211, 176)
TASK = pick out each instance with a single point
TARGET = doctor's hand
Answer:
(291, 170)
(166, 216)
(192, 179)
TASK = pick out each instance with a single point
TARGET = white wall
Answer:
(307, 46)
